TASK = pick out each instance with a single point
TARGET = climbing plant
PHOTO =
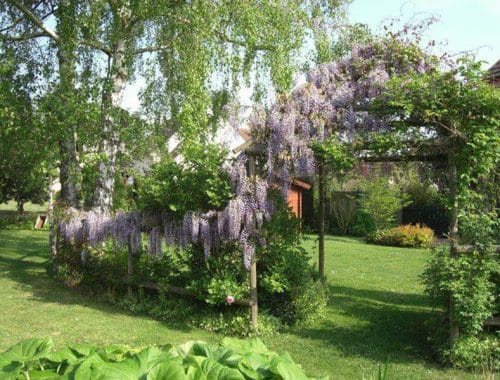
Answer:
(387, 100)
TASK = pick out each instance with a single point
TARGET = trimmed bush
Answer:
(415, 236)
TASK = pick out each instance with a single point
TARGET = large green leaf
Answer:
(45, 375)
(185, 348)
(168, 370)
(27, 351)
(207, 369)
(10, 370)
(210, 351)
(82, 349)
(84, 370)
(243, 346)
(255, 366)
(65, 355)
(286, 369)
(135, 367)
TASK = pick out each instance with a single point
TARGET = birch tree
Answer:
(191, 54)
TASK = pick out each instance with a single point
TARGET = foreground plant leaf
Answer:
(232, 359)
(27, 351)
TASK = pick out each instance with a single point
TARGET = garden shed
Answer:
(296, 199)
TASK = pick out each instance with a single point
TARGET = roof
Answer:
(301, 184)
(494, 71)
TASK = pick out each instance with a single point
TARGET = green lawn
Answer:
(376, 312)
(9, 208)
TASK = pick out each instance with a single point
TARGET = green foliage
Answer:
(220, 275)
(351, 35)
(423, 193)
(362, 224)
(382, 200)
(24, 150)
(335, 155)
(414, 236)
(469, 281)
(237, 322)
(480, 353)
(462, 109)
(196, 183)
(229, 359)
(426, 205)
(23, 222)
(288, 284)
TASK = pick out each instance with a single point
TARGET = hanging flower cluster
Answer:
(333, 100)
(239, 222)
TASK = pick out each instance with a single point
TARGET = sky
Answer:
(463, 25)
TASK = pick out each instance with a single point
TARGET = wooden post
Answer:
(321, 220)
(254, 307)
(453, 233)
(130, 270)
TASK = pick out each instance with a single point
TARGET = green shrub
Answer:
(236, 322)
(415, 236)
(471, 282)
(230, 359)
(289, 287)
(382, 201)
(197, 183)
(476, 353)
(362, 224)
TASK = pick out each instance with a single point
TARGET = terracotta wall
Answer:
(295, 200)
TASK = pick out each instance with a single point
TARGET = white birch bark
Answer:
(112, 99)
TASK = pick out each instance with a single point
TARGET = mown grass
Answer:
(375, 315)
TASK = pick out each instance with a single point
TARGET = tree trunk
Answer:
(52, 222)
(112, 99)
(69, 168)
(20, 207)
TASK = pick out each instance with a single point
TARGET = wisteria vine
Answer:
(331, 101)
(239, 221)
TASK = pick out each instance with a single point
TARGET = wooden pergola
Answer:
(439, 150)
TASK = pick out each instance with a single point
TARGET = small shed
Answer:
(296, 198)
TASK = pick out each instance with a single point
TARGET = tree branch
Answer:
(98, 46)
(453, 131)
(150, 49)
(23, 37)
(34, 19)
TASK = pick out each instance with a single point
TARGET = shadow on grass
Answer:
(26, 264)
(378, 325)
